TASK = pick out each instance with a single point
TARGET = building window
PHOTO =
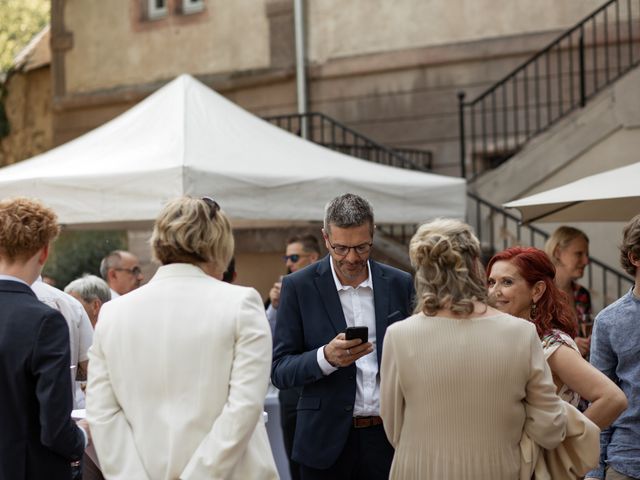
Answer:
(192, 6)
(157, 9)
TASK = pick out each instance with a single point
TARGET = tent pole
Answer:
(301, 79)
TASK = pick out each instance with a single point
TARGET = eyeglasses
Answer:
(213, 207)
(343, 250)
(135, 271)
(294, 258)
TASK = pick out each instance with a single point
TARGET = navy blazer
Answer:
(38, 439)
(309, 316)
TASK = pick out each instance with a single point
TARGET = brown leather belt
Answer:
(364, 422)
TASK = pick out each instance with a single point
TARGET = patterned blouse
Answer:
(582, 299)
(550, 343)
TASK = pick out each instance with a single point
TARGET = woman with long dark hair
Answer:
(521, 283)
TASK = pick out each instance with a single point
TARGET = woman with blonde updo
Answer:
(180, 366)
(460, 381)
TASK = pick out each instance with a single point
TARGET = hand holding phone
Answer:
(344, 349)
(361, 332)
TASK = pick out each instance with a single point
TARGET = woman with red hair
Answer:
(521, 283)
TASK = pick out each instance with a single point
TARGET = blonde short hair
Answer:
(446, 257)
(26, 226)
(190, 230)
(560, 239)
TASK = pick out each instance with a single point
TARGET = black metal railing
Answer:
(498, 229)
(554, 82)
(330, 133)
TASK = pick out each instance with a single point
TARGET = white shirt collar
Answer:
(13, 279)
(366, 283)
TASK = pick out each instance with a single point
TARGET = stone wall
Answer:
(28, 109)
(390, 70)
(339, 29)
(115, 45)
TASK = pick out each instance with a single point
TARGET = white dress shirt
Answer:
(80, 329)
(359, 310)
(272, 313)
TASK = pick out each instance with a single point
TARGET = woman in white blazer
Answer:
(179, 368)
(461, 381)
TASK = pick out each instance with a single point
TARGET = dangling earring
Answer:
(534, 311)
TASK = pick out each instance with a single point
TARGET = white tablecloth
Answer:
(274, 431)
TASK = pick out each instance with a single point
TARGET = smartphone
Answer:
(352, 333)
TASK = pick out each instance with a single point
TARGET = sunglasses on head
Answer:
(213, 207)
(294, 258)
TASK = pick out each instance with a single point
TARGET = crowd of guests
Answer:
(496, 373)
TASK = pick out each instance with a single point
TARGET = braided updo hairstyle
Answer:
(445, 255)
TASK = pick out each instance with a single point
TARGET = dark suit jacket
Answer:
(38, 439)
(309, 316)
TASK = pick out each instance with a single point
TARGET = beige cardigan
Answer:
(571, 460)
(457, 394)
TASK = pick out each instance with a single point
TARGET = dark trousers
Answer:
(90, 470)
(288, 413)
(367, 455)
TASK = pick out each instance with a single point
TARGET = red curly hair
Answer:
(553, 308)
(26, 226)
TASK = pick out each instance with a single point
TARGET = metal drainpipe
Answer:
(301, 79)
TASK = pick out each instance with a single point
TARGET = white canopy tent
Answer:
(608, 196)
(186, 139)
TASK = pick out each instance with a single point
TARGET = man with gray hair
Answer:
(121, 270)
(339, 432)
(91, 292)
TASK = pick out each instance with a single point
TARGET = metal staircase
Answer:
(495, 227)
(498, 229)
(332, 134)
(556, 81)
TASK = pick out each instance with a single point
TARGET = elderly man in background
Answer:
(38, 439)
(92, 292)
(121, 270)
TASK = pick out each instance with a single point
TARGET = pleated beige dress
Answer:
(456, 395)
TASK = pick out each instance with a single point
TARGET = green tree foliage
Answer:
(20, 20)
(76, 253)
